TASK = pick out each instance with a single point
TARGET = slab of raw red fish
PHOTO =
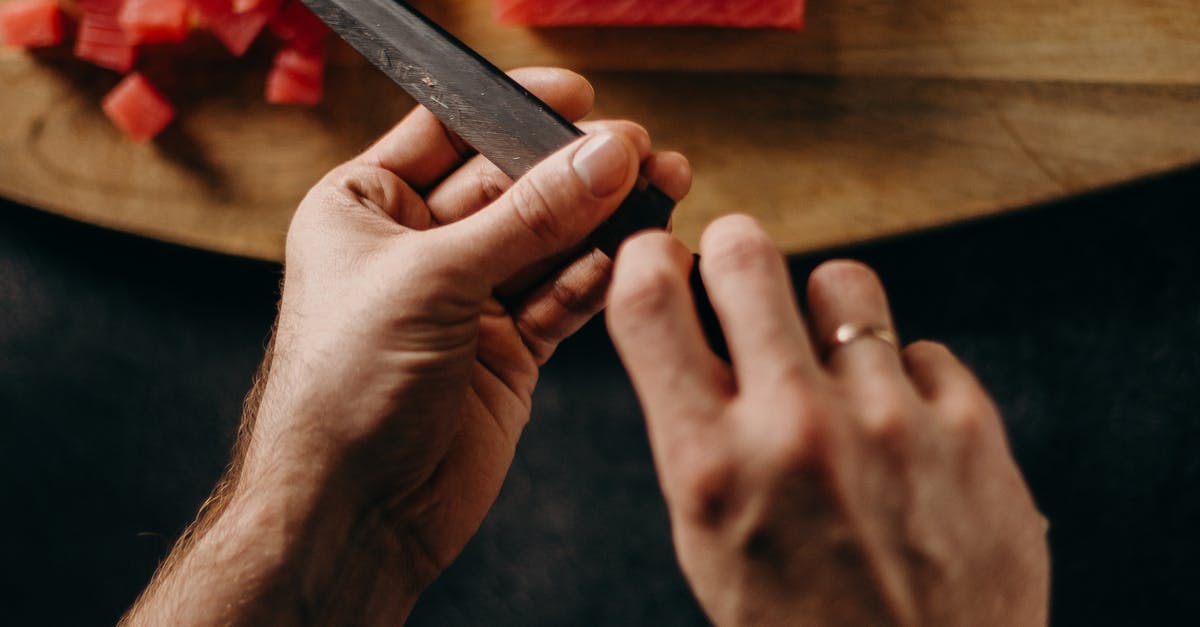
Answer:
(30, 23)
(739, 13)
(137, 108)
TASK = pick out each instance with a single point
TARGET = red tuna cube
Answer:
(137, 108)
(30, 23)
(102, 41)
(235, 30)
(297, 76)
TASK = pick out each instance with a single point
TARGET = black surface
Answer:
(123, 363)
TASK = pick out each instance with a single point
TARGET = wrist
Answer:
(300, 502)
(315, 554)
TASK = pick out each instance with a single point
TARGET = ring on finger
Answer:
(850, 332)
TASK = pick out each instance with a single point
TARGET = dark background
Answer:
(123, 363)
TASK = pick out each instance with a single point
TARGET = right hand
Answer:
(858, 485)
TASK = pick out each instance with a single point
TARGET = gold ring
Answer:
(853, 331)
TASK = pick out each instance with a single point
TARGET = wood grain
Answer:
(1121, 41)
(826, 161)
(880, 119)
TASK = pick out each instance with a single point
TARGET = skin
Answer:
(423, 291)
(857, 485)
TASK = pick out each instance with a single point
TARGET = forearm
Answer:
(283, 555)
(273, 546)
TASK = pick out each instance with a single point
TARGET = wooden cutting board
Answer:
(882, 117)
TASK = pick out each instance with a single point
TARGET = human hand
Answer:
(815, 482)
(422, 294)
(423, 290)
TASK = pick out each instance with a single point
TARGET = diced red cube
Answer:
(137, 108)
(101, 40)
(297, 76)
(295, 24)
(235, 30)
(154, 21)
(30, 23)
(738, 13)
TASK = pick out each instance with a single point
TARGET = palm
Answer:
(402, 263)
(468, 477)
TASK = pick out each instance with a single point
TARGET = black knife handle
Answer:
(647, 207)
(708, 316)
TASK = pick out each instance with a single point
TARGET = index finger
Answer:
(422, 151)
(751, 291)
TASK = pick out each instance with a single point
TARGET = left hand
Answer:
(423, 291)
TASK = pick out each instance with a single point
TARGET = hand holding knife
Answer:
(500, 119)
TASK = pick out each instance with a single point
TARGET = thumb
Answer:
(549, 210)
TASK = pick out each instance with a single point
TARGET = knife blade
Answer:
(505, 123)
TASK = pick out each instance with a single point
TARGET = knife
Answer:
(501, 120)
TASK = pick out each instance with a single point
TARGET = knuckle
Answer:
(572, 304)
(887, 419)
(796, 445)
(708, 488)
(366, 185)
(492, 184)
(340, 174)
(760, 544)
(737, 245)
(533, 208)
(647, 291)
(965, 417)
(799, 446)
(358, 193)
(537, 338)
(574, 299)
(337, 201)
(794, 376)
(844, 275)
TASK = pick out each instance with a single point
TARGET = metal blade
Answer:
(502, 120)
(472, 97)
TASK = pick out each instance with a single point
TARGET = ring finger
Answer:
(852, 322)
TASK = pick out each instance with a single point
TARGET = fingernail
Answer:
(602, 164)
